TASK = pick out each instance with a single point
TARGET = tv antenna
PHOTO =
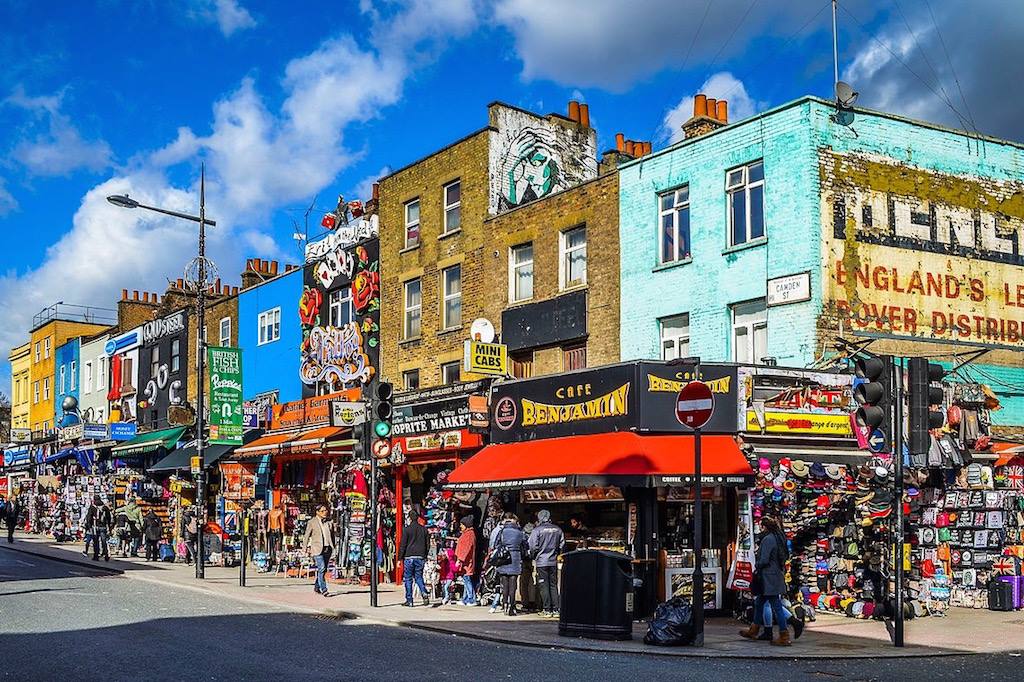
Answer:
(845, 95)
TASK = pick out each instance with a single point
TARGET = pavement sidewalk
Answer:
(962, 632)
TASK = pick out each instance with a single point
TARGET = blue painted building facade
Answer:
(887, 227)
(270, 333)
(67, 366)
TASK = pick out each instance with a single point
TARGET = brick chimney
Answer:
(708, 115)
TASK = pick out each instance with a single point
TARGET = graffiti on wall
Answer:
(532, 157)
(915, 253)
(336, 356)
(156, 386)
(343, 236)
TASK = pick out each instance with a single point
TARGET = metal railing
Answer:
(71, 312)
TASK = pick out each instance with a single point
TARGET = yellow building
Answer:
(50, 332)
(20, 387)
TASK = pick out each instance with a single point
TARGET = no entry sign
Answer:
(695, 405)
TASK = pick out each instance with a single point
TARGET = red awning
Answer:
(621, 458)
(267, 445)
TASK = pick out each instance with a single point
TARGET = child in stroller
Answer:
(490, 587)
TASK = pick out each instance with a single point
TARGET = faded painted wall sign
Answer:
(922, 254)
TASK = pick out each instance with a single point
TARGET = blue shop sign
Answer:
(95, 431)
(123, 430)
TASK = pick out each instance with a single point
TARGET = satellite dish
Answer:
(482, 330)
(846, 96)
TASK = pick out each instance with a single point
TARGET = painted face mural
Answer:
(534, 168)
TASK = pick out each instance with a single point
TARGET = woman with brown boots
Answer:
(769, 583)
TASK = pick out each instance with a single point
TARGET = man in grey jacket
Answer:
(546, 542)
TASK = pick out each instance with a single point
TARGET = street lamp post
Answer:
(124, 201)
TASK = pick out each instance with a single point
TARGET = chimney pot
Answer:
(234, 291)
(124, 294)
(376, 191)
(156, 298)
(712, 104)
(700, 105)
(722, 111)
(135, 295)
(273, 268)
(181, 283)
(647, 148)
(145, 297)
(585, 115)
(620, 142)
(629, 147)
(574, 110)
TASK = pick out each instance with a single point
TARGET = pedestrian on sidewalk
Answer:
(465, 557)
(189, 533)
(98, 521)
(510, 538)
(152, 531)
(769, 582)
(412, 552)
(446, 573)
(319, 543)
(12, 513)
(133, 516)
(86, 531)
(547, 541)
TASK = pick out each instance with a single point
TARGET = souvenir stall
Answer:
(132, 480)
(75, 471)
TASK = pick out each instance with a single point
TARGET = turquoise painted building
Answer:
(769, 239)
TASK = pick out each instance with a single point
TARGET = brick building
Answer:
(438, 246)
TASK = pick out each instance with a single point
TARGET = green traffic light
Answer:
(382, 429)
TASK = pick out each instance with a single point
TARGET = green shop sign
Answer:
(226, 411)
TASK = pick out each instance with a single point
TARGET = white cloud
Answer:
(364, 188)
(58, 149)
(229, 16)
(257, 160)
(7, 201)
(722, 85)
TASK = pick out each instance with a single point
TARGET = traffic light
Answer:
(874, 395)
(382, 409)
(924, 395)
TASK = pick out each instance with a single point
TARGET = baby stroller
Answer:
(490, 585)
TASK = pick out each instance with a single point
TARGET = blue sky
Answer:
(287, 101)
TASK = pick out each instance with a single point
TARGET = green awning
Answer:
(147, 442)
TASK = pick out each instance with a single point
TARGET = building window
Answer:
(451, 372)
(675, 225)
(35, 392)
(413, 303)
(574, 357)
(225, 332)
(573, 250)
(412, 223)
(522, 365)
(87, 384)
(154, 361)
(101, 375)
(411, 379)
(750, 332)
(521, 273)
(675, 337)
(46, 348)
(339, 307)
(74, 375)
(46, 388)
(452, 282)
(745, 186)
(37, 351)
(269, 323)
(452, 207)
(175, 355)
(63, 385)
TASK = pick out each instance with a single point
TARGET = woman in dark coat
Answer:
(152, 531)
(511, 536)
(770, 580)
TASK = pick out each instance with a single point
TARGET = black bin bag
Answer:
(672, 624)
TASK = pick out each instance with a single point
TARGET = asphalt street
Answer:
(60, 621)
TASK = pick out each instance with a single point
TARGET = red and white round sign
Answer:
(695, 405)
(381, 448)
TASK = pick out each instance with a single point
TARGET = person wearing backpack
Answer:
(152, 531)
(769, 582)
(98, 521)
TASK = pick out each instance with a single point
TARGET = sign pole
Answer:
(698, 543)
(373, 512)
(897, 533)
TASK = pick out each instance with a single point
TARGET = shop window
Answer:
(522, 365)
(674, 224)
(574, 357)
(675, 336)
(750, 332)
(339, 307)
(413, 305)
(452, 207)
(452, 282)
(225, 332)
(154, 362)
(412, 223)
(745, 187)
(451, 372)
(520, 286)
(573, 251)
(74, 375)
(411, 379)
(269, 326)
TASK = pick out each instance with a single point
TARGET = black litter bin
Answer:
(597, 595)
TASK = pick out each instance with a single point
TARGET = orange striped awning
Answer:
(312, 440)
(267, 445)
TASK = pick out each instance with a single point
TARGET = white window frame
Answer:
(680, 202)
(758, 321)
(63, 382)
(175, 355)
(448, 207)
(46, 348)
(675, 338)
(225, 339)
(87, 384)
(513, 272)
(456, 366)
(38, 356)
(409, 374)
(337, 302)
(408, 310)
(270, 321)
(46, 388)
(74, 376)
(743, 184)
(154, 361)
(564, 255)
(101, 375)
(450, 297)
(35, 392)
(409, 243)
